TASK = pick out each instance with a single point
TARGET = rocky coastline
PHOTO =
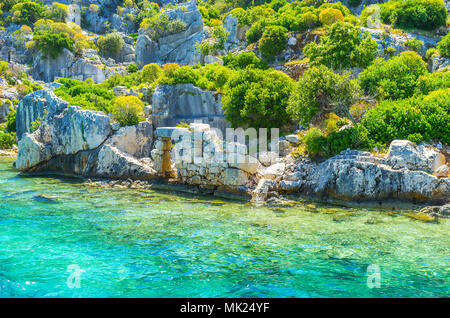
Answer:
(85, 143)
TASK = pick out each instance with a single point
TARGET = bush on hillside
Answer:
(321, 91)
(395, 78)
(257, 98)
(52, 44)
(343, 46)
(111, 44)
(444, 46)
(127, 110)
(330, 16)
(421, 14)
(273, 41)
(416, 118)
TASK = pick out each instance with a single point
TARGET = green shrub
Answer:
(330, 16)
(321, 91)
(243, 60)
(432, 81)
(341, 47)
(444, 46)
(111, 44)
(132, 68)
(52, 44)
(11, 120)
(422, 14)
(160, 25)
(7, 140)
(395, 78)
(151, 72)
(85, 95)
(27, 12)
(404, 119)
(273, 41)
(257, 98)
(308, 21)
(179, 75)
(255, 32)
(127, 110)
(413, 44)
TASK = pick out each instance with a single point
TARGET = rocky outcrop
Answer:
(176, 47)
(5, 107)
(72, 140)
(405, 174)
(236, 32)
(438, 63)
(404, 154)
(185, 103)
(201, 158)
(65, 133)
(36, 106)
(397, 41)
(67, 65)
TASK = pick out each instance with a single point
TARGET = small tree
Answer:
(273, 41)
(257, 98)
(330, 15)
(52, 44)
(343, 46)
(395, 78)
(127, 110)
(111, 44)
(321, 91)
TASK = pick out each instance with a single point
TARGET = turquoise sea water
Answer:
(142, 243)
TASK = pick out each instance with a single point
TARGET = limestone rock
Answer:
(66, 133)
(173, 48)
(173, 104)
(274, 171)
(37, 105)
(405, 154)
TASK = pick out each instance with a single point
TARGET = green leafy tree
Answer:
(395, 78)
(257, 98)
(273, 41)
(27, 12)
(422, 14)
(151, 72)
(321, 91)
(243, 60)
(343, 46)
(52, 44)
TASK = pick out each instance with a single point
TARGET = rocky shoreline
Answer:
(85, 143)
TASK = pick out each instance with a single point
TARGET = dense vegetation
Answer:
(351, 94)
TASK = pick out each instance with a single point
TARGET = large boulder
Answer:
(406, 154)
(36, 106)
(357, 175)
(177, 47)
(66, 133)
(46, 68)
(172, 104)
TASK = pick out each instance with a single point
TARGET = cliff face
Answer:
(175, 47)
(185, 103)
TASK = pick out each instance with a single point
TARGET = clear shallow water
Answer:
(132, 243)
